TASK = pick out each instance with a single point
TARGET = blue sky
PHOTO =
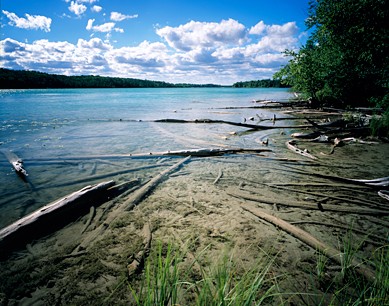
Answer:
(176, 41)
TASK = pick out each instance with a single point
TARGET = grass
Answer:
(168, 280)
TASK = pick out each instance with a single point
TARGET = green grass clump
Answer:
(166, 281)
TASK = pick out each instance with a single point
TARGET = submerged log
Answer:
(305, 205)
(291, 145)
(17, 163)
(246, 125)
(52, 216)
(309, 240)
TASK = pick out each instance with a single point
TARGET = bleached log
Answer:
(16, 162)
(52, 215)
(306, 205)
(291, 145)
(246, 125)
(309, 240)
(140, 193)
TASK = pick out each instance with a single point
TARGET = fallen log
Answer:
(246, 125)
(17, 163)
(53, 215)
(310, 240)
(140, 193)
(347, 228)
(133, 199)
(203, 152)
(304, 205)
(291, 145)
(379, 182)
(137, 260)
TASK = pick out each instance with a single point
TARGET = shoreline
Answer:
(192, 209)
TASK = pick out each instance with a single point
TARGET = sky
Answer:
(177, 41)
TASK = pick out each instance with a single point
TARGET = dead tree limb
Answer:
(347, 228)
(309, 240)
(133, 199)
(140, 193)
(291, 145)
(246, 125)
(137, 260)
(53, 214)
(304, 205)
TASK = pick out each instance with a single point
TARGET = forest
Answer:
(265, 83)
(22, 79)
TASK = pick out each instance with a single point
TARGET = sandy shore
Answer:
(198, 208)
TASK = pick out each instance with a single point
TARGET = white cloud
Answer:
(195, 52)
(286, 29)
(258, 28)
(115, 16)
(77, 8)
(96, 8)
(89, 25)
(205, 34)
(103, 28)
(34, 22)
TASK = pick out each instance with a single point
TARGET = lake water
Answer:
(47, 128)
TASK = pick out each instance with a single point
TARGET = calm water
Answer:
(44, 127)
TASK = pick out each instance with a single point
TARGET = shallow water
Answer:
(47, 127)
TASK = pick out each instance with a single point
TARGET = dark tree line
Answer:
(266, 83)
(21, 79)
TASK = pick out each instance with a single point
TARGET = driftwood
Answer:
(132, 200)
(16, 163)
(333, 197)
(309, 240)
(291, 145)
(304, 205)
(139, 194)
(384, 194)
(246, 125)
(347, 228)
(53, 214)
(219, 176)
(379, 182)
(137, 260)
(203, 152)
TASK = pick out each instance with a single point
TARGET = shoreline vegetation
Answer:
(23, 79)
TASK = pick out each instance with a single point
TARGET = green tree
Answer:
(345, 60)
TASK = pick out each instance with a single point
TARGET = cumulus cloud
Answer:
(206, 34)
(34, 22)
(96, 8)
(195, 52)
(103, 28)
(77, 8)
(115, 16)
(258, 28)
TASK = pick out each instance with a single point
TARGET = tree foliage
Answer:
(20, 79)
(345, 60)
(266, 83)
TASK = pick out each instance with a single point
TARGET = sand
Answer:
(193, 209)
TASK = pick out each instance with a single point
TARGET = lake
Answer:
(47, 127)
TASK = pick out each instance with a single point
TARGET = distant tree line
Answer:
(21, 79)
(266, 83)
